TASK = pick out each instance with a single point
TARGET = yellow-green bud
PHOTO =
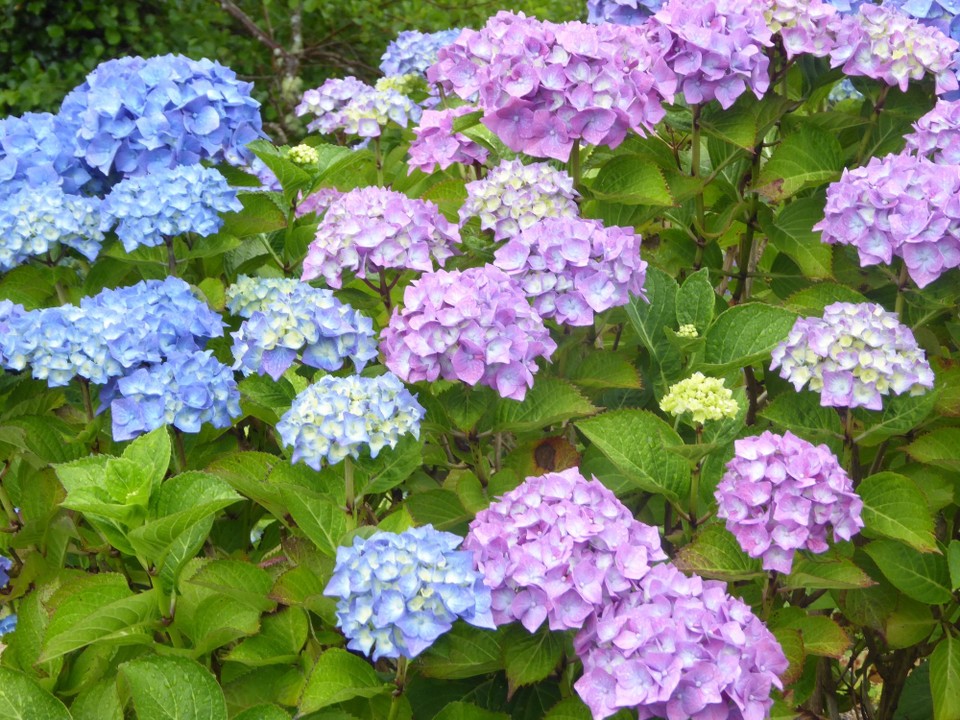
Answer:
(688, 331)
(705, 398)
(304, 155)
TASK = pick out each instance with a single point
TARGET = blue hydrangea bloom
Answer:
(327, 331)
(397, 593)
(34, 220)
(8, 625)
(139, 115)
(167, 203)
(337, 417)
(255, 294)
(5, 566)
(187, 390)
(414, 51)
(9, 311)
(40, 149)
(621, 12)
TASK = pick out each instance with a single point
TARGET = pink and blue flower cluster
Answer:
(355, 108)
(936, 135)
(436, 145)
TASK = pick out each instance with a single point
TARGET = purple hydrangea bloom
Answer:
(352, 106)
(513, 197)
(898, 206)
(853, 356)
(806, 27)
(679, 648)
(35, 220)
(337, 417)
(397, 593)
(149, 208)
(414, 51)
(717, 48)
(186, 390)
(544, 85)
(847, 6)
(372, 229)
(308, 323)
(437, 145)
(781, 494)
(937, 134)
(317, 202)
(475, 326)
(572, 268)
(558, 548)
(40, 149)
(621, 12)
(139, 115)
(884, 44)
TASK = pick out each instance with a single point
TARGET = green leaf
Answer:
(21, 699)
(792, 233)
(263, 712)
(696, 300)
(152, 453)
(569, 709)
(945, 678)
(746, 122)
(440, 508)
(320, 519)
(549, 401)
(894, 507)
(745, 334)
(173, 688)
(247, 473)
(821, 635)
(339, 676)
(807, 158)
(530, 657)
(715, 553)
(953, 561)
(281, 637)
(237, 580)
(600, 370)
(463, 652)
(651, 319)
(901, 413)
(910, 623)
(922, 576)
(391, 466)
(467, 711)
(826, 572)
(940, 448)
(812, 300)
(634, 441)
(260, 214)
(801, 413)
(632, 180)
(98, 702)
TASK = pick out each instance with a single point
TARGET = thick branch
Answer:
(251, 26)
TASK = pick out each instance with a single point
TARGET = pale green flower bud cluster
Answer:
(303, 155)
(688, 331)
(705, 398)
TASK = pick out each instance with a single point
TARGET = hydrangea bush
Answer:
(401, 419)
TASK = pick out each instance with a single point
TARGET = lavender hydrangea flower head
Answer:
(705, 398)
(900, 206)
(317, 202)
(149, 208)
(356, 108)
(621, 12)
(437, 145)
(474, 326)
(807, 27)
(572, 268)
(781, 494)
(853, 356)
(558, 548)
(937, 134)
(884, 44)
(372, 229)
(309, 323)
(414, 51)
(543, 86)
(326, 102)
(186, 390)
(35, 220)
(678, 647)
(337, 417)
(514, 196)
(39, 149)
(397, 593)
(141, 115)
(716, 48)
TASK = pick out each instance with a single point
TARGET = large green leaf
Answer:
(390, 468)
(98, 702)
(632, 180)
(635, 442)
(173, 688)
(468, 711)
(792, 233)
(696, 300)
(805, 158)
(651, 320)
(900, 415)
(894, 507)
(745, 334)
(529, 657)
(820, 634)
(802, 414)
(715, 553)
(336, 677)
(940, 447)
(746, 122)
(945, 678)
(549, 401)
(319, 517)
(22, 699)
(152, 453)
(601, 370)
(441, 508)
(463, 652)
(281, 637)
(922, 576)
(826, 572)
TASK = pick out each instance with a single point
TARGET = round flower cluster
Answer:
(688, 331)
(34, 220)
(937, 13)
(317, 202)
(807, 27)
(252, 294)
(356, 108)
(414, 51)
(437, 145)
(110, 334)
(853, 356)
(717, 48)
(937, 134)
(141, 115)
(572, 268)
(883, 44)
(900, 205)
(337, 417)
(558, 548)
(678, 647)
(39, 149)
(780, 494)
(514, 196)
(166, 203)
(372, 229)
(186, 390)
(475, 326)
(308, 319)
(397, 593)
(543, 86)
(303, 155)
(705, 398)
(621, 12)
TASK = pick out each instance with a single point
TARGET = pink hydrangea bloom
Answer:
(436, 145)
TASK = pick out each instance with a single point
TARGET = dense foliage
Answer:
(571, 371)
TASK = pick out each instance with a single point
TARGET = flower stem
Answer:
(769, 594)
(379, 158)
(575, 163)
(348, 482)
(695, 483)
(8, 506)
(181, 452)
(401, 682)
(874, 120)
(901, 284)
(171, 257)
(695, 173)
